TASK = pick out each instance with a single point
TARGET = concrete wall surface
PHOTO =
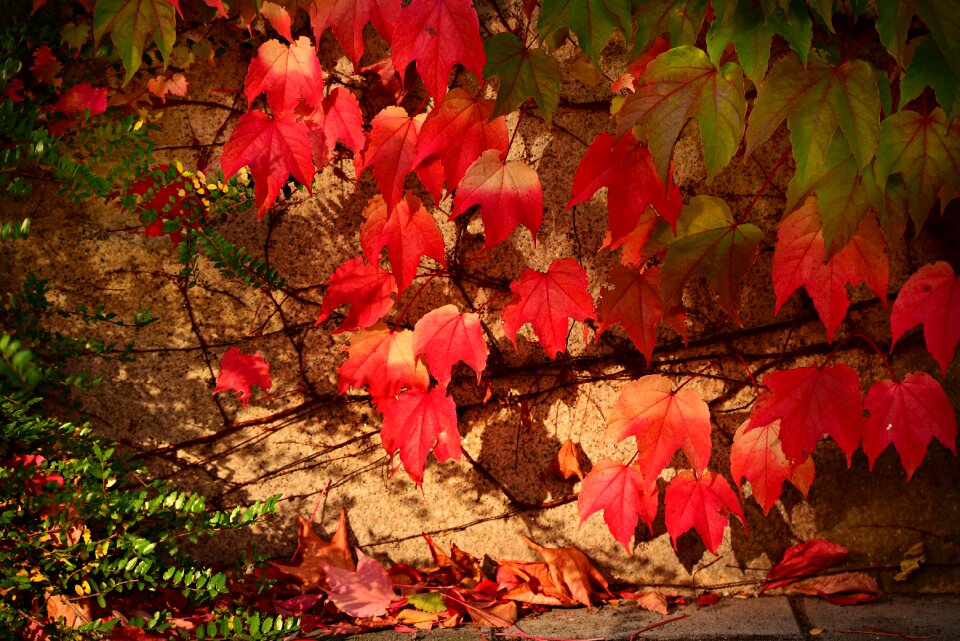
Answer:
(322, 451)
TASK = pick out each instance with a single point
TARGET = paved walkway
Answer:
(936, 618)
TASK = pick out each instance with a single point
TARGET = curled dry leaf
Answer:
(802, 559)
(314, 554)
(571, 570)
(846, 588)
(653, 601)
(567, 463)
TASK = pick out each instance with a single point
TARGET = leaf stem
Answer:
(883, 356)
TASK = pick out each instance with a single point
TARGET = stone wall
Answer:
(322, 451)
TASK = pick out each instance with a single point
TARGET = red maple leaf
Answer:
(909, 414)
(408, 232)
(623, 495)
(46, 67)
(632, 298)
(74, 102)
(348, 17)
(758, 456)
(701, 503)
(547, 300)
(160, 86)
(932, 297)
(663, 421)
(274, 148)
(368, 289)
(811, 402)
(287, 74)
(508, 193)
(239, 372)
(444, 336)
(418, 421)
(626, 169)
(803, 559)
(438, 34)
(383, 360)
(800, 258)
(337, 119)
(279, 17)
(390, 151)
(458, 131)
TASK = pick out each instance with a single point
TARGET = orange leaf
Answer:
(313, 554)
(571, 570)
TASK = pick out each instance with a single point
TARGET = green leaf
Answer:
(750, 30)
(427, 601)
(681, 19)
(592, 20)
(929, 67)
(524, 73)
(681, 84)
(710, 243)
(924, 152)
(824, 9)
(129, 22)
(815, 100)
(844, 194)
(942, 18)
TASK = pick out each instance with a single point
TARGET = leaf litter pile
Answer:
(334, 589)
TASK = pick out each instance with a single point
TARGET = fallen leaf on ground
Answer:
(846, 588)
(367, 592)
(653, 601)
(572, 570)
(314, 554)
(911, 562)
(802, 559)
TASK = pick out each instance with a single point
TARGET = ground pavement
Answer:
(932, 617)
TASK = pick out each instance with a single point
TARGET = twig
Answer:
(636, 634)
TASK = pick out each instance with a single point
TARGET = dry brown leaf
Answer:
(653, 601)
(531, 583)
(911, 562)
(459, 566)
(74, 612)
(313, 553)
(571, 570)
(567, 463)
(846, 588)
(499, 615)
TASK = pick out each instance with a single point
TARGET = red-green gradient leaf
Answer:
(459, 130)
(508, 193)
(383, 360)
(758, 456)
(702, 503)
(347, 19)
(709, 243)
(932, 297)
(444, 336)
(408, 232)
(524, 73)
(390, 151)
(632, 298)
(663, 421)
(799, 258)
(681, 84)
(811, 402)
(620, 491)
(925, 151)
(287, 74)
(547, 300)
(626, 169)
(909, 414)
(239, 372)
(273, 148)
(438, 34)
(418, 421)
(815, 99)
(368, 289)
